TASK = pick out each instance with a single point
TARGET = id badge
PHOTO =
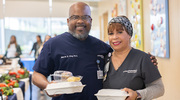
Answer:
(100, 74)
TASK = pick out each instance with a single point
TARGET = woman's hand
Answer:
(153, 59)
(1, 56)
(16, 54)
(132, 94)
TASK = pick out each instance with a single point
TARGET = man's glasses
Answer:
(76, 17)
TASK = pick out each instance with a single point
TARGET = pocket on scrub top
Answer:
(65, 63)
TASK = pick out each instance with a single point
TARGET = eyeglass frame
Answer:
(87, 17)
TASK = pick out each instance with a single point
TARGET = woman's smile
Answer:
(116, 43)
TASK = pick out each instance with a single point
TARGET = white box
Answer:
(64, 88)
(111, 94)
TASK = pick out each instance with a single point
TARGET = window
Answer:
(26, 30)
(59, 25)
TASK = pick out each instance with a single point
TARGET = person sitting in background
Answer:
(36, 46)
(13, 50)
(47, 37)
(128, 68)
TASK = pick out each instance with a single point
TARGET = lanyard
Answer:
(98, 62)
(99, 71)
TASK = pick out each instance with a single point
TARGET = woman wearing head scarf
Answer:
(13, 49)
(128, 68)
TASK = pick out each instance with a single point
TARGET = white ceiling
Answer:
(61, 0)
(30, 8)
(91, 2)
(81, 0)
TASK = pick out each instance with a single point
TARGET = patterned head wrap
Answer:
(123, 20)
